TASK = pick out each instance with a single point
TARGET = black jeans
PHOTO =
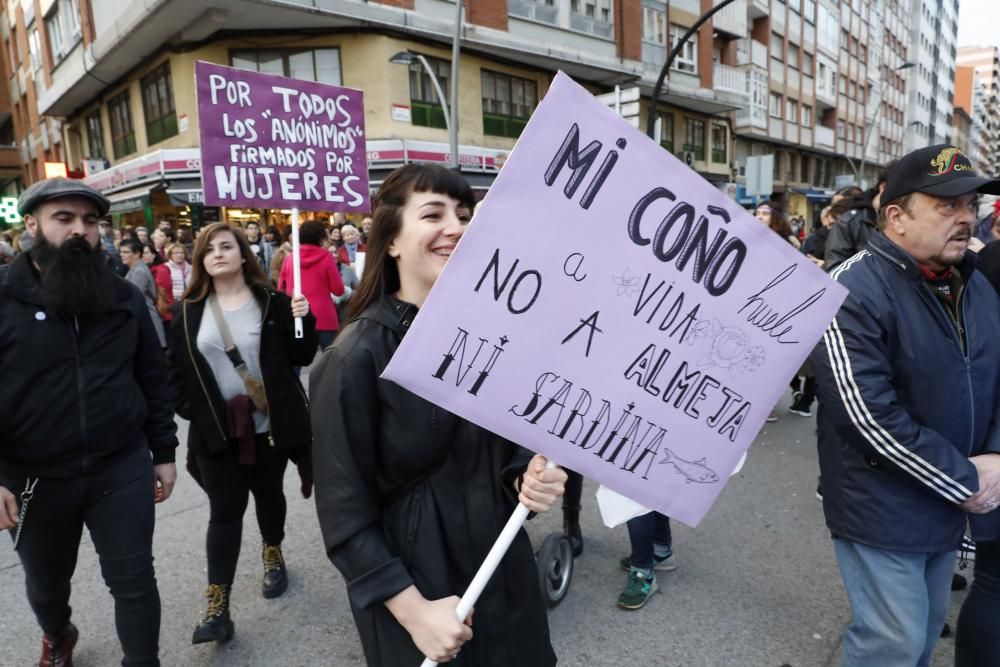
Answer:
(644, 532)
(574, 491)
(229, 485)
(977, 637)
(116, 505)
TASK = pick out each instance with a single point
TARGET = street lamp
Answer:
(868, 131)
(450, 110)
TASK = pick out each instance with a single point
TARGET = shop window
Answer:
(425, 105)
(95, 136)
(507, 103)
(719, 143)
(158, 105)
(319, 65)
(122, 132)
(666, 130)
(694, 137)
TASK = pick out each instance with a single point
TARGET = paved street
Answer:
(756, 585)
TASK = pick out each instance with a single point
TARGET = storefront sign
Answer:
(274, 142)
(129, 205)
(643, 335)
(8, 210)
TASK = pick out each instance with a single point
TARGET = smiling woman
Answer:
(410, 497)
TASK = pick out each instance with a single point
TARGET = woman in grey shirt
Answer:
(248, 411)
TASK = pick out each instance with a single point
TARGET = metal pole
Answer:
(651, 115)
(868, 135)
(453, 127)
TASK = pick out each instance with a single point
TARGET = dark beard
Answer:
(76, 279)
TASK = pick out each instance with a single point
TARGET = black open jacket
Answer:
(408, 493)
(196, 394)
(78, 395)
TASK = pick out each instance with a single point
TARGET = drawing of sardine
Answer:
(694, 471)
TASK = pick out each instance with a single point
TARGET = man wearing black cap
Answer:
(909, 380)
(88, 436)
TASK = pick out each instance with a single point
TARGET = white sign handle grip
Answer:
(296, 269)
(490, 564)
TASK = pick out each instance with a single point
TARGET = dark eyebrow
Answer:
(434, 202)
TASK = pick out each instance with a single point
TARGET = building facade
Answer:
(106, 87)
(933, 39)
(977, 91)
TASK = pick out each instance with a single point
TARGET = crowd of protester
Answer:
(907, 381)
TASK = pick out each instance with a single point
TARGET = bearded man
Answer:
(88, 435)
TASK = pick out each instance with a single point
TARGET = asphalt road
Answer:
(756, 584)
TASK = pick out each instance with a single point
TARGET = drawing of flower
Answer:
(754, 358)
(698, 331)
(627, 283)
(728, 346)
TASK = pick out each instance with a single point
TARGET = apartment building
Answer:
(106, 86)
(977, 92)
(933, 43)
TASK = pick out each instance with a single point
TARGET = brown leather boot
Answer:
(58, 651)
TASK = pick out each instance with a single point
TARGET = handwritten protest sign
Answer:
(273, 142)
(612, 310)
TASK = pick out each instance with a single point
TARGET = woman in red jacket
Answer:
(320, 280)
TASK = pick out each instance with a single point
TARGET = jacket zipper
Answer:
(80, 389)
(963, 346)
(194, 364)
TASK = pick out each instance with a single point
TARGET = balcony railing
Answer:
(732, 19)
(751, 52)
(823, 137)
(591, 25)
(729, 79)
(536, 11)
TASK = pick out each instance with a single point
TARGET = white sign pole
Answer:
(490, 564)
(296, 269)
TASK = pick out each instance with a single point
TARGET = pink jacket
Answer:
(320, 279)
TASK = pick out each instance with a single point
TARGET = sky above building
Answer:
(977, 23)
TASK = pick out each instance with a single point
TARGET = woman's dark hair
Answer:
(201, 282)
(157, 260)
(381, 275)
(185, 237)
(275, 232)
(312, 233)
(779, 224)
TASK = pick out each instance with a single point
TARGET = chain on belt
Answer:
(26, 496)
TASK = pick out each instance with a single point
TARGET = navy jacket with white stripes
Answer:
(903, 403)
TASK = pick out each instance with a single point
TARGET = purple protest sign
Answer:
(273, 142)
(612, 310)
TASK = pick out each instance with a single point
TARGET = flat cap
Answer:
(58, 188)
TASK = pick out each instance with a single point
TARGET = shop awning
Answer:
(815, 195)
(132, 199)
(185, 192)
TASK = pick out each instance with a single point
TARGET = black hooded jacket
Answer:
(410, 494)
(75, 394)
(850, 234)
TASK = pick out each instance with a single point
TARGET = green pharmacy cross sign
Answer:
(8, 212)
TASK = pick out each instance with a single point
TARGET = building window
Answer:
(793, 55)
(666, 130)
(687, 59)
(35, 49)
(425, 105)
(775, 105)
(158, 105)
(654, 26)
(791, 111)
(841, 129)
(777, 46)
(95, 136)
(807, 115)
(63, 28)
(53, 26)
(694, 137)
(719, 143)
(808, 65)
(507, 103)
(319, 65)
(122, 132)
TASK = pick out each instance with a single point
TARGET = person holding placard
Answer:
(411, 497)
(234, 349)
(320, 281)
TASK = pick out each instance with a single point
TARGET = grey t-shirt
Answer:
(244, 324)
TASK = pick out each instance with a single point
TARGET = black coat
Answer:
(196, 393)
(850, 234)
(78, 395)
(408, 493)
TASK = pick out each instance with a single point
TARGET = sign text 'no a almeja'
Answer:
(612, 310)
(273, 142)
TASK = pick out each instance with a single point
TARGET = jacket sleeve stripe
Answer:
(880, 439)
(848, 263)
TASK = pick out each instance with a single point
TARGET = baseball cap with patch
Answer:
(58, 188)
(941, 171)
